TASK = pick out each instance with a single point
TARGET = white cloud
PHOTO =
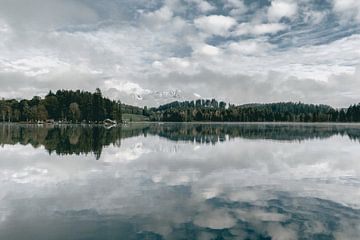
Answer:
(158, 17)
(237, 7)
(259, 29)
(282, 8)
(204, 6)
(268, 28)
(344, 5)
(4, 27)
(177, 64)
(117, 46)
(249, 47)
(258, 73)
(215, 24)
(197, 95)
(126, 87)
(33, 66)
(314, 17)
(208, 50)
(348, 9)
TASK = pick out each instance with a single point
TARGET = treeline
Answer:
(211, 110)
(64, 105)
(82, 106)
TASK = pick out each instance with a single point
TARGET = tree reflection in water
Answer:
(85, 139)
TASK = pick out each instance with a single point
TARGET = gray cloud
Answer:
(150, 52)
(241, 88)
(42, 15)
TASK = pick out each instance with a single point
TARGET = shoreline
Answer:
(193, 122)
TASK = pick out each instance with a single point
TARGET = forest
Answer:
(81, 106)
(214, 111)
(66, 106)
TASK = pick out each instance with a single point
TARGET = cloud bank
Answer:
(151, 52)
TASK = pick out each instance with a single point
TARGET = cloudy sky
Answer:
(148, 52)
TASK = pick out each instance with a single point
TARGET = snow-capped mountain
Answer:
(150, 98)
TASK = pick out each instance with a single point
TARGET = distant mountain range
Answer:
(154, 98)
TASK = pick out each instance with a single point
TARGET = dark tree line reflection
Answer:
(61, 140)
(85, 139)
(213, 133)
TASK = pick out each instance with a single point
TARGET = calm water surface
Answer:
(180, 181)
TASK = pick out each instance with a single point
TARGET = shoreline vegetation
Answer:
(73, 107)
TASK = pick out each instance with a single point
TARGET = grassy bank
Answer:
(126, 117)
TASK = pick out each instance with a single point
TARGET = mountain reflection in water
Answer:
(180, 181)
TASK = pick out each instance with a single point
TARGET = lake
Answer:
(180, 181)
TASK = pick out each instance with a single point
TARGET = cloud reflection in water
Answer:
(162, 182)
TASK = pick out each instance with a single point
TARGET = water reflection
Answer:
(169, 181)
(84, 139)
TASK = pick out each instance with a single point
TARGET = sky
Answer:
(149, 52)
